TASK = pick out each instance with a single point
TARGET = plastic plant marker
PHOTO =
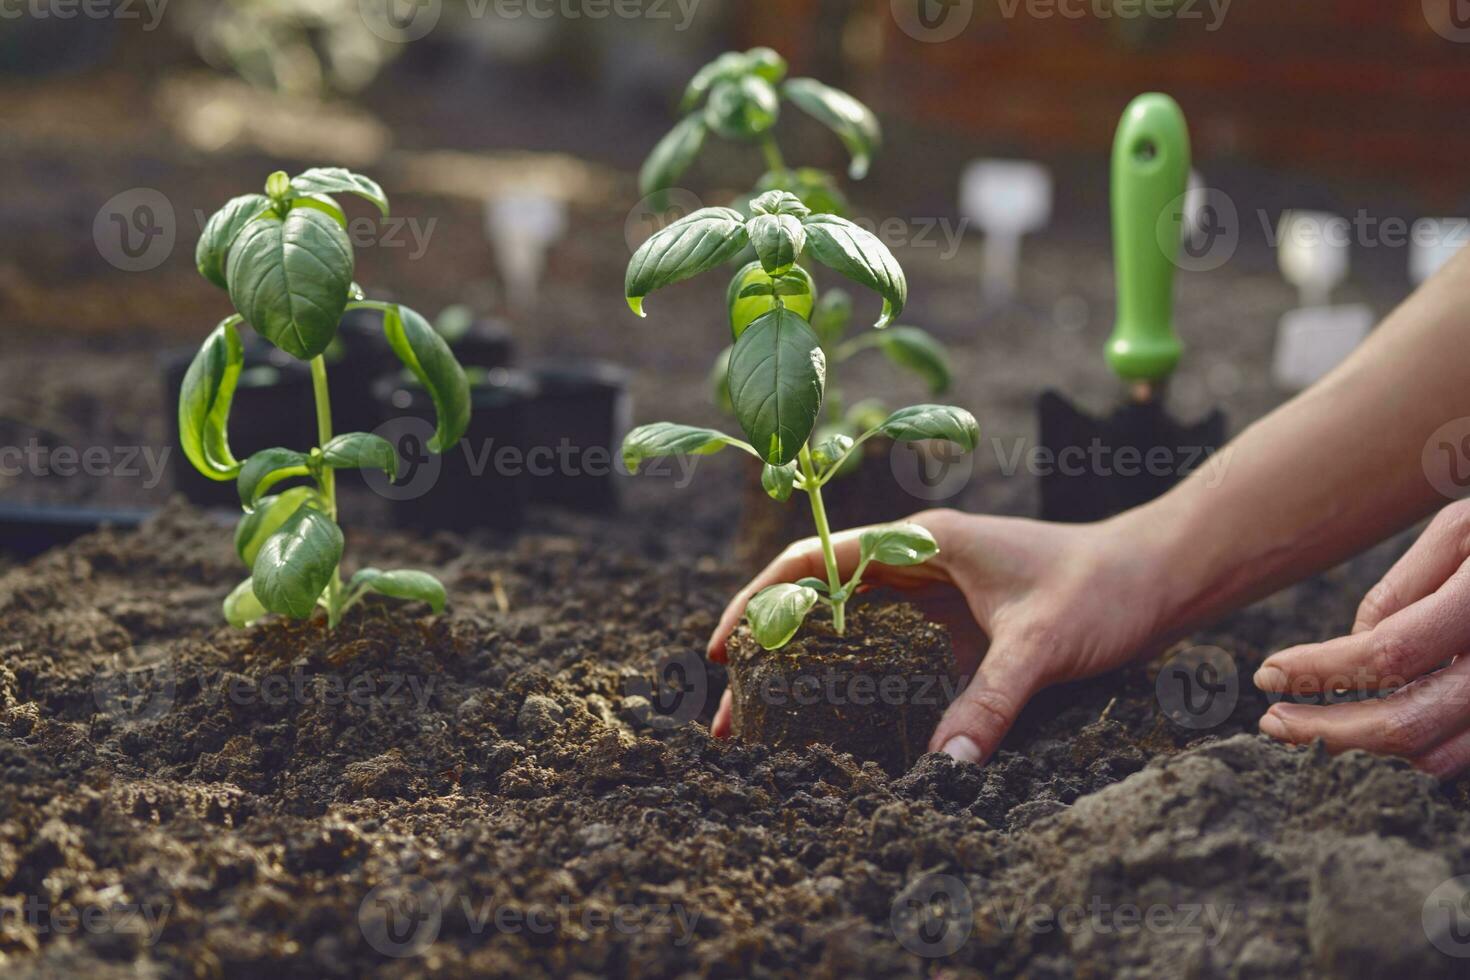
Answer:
(1108, 465)
(1432, 243)
(1313, 249)
(1008, 199)
(522, 227)
(1312, 341)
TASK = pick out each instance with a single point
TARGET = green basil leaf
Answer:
(814, 583)
(220, 232)
(361, 451)
(777, 376)
(290, 277)
(742, 108)
(266, 468)
(832, 316)
(670, 439)
(853, 122)
(766, 63)
(779, 481)
(684, 248)
(402, 583)
(779, 202)
(831, 449)
(267, 517)
(719, 381)
(241, 606)
(425, 353)
(728, 65)
(778, 241)
(338, 180)
(933, 422)
(860, 256)
(296, 563)
(796, 288)
(204, 402)
(915, 349)
(897, 544)
(672, 155)
(777, 612)
(323, 203)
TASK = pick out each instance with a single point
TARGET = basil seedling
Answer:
(777, 376)
(738, 96)
(286, 261)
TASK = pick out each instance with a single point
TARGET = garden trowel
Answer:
(1094, 468)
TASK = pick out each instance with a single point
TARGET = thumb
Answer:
(974, 724)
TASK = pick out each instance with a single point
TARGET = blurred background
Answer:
(126, 123)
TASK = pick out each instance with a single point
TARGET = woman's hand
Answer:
(1032, 604)
(1409, 627)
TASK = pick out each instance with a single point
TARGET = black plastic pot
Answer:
(579, 418)
(487, 344)
(479, 483)
(359, 358)
(273, 406)
(26, 530)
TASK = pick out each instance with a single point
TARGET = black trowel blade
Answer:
(1094, 468)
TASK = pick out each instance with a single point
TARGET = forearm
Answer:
(1331, 472)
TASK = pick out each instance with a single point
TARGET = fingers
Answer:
(1402, 647)
(1410, 722)
(1449, 758)
(802, 559)
(1443, 546)
(973, 726)
(720, 727)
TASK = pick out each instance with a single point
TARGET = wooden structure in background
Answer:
(1362, 89)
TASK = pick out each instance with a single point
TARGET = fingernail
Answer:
(1273, 726)
(1270, 678)
(962, 749)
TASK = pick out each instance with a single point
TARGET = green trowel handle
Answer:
(1150, 177)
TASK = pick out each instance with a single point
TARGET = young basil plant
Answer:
(777, 376)
(738, 96)
(286, 261)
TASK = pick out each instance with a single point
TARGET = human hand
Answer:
(1412, 623)
(1031, 603)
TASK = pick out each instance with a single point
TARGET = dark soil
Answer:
(877, 691)
(477, 794)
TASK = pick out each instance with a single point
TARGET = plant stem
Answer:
(774, 160)
(328, 478)
(819, 516)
